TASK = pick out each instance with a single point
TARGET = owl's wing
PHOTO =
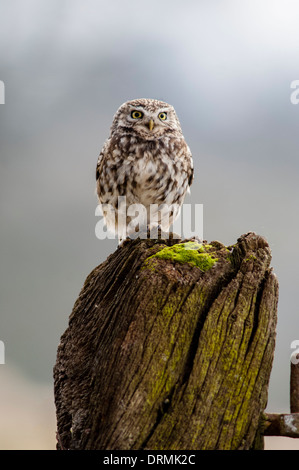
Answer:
(98, 171)
(190, 170)
(101, 159)
(191, 176)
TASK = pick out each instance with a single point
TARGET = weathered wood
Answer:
(169, 346)
(294, 384)
(286, 425)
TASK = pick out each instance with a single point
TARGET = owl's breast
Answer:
(159, 176)
(146, 172)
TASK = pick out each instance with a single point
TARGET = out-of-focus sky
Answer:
(67, 65)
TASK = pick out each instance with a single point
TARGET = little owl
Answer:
(147, 160)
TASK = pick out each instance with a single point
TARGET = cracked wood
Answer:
(160, 354)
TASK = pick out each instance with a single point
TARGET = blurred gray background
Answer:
(67, 65)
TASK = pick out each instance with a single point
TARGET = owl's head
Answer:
(146, 118)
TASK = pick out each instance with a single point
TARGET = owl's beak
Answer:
(151, 125)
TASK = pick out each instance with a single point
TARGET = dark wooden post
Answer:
(287, 425)
(169, 346)
(294, 384)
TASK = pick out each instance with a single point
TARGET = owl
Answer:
(145, 168)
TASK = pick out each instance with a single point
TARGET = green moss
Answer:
(251, 258)
(193, 253)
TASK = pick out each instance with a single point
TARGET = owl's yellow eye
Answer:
(163, 116)
(136, 114)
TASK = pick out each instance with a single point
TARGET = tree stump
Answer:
(169, 346)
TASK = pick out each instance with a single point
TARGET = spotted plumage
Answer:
(147, 160)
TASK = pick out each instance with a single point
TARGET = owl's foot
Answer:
(195, 238)
(149, 232)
